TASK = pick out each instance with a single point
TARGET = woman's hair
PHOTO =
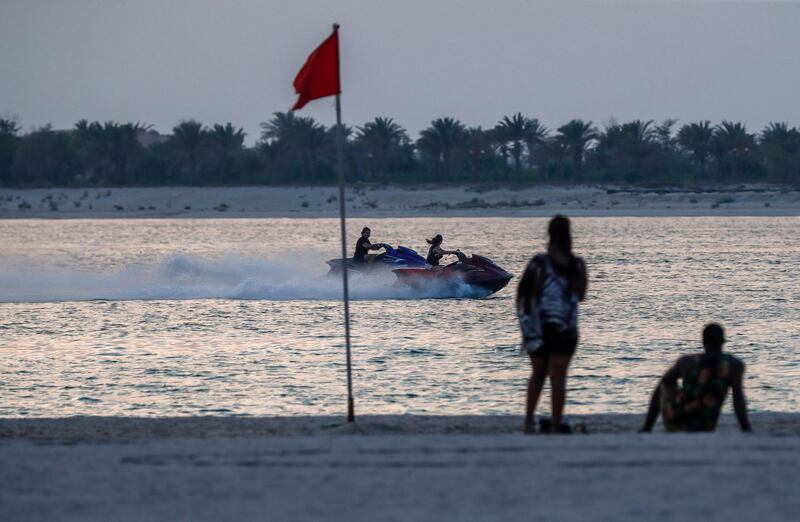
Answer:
(561, 238)
(365, 229)
(560, 234)
(437, 240)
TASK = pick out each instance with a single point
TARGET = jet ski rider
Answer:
(363, 246)
(436, 252)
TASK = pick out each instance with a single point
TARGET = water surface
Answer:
(236, 317)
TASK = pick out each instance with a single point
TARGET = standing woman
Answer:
(547, 307)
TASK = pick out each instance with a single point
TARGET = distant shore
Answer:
(393, 467)
(399, 201)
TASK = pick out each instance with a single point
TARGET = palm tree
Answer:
(381, 141)
(636, 150)
(555, 156)
(45, 157)
(87, 148)
(188, 137)
(125, 147)
(695, 138)
(535, 136)
(279, 129)
(295, 141)
(478, 147)
(663, 133)
(781, 146)
(576, 136)
(8, 126)
(310, 137)
(781, 136)
(229, 142)
(732, 145)
(500, 140)
(440, 142)
(227, 137)
(347, 132)
(638, 138)
(108, 149)
(329, 149)
(9, 131)
(266, 156)
(513, 132)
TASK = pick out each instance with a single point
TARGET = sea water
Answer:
(171, 317)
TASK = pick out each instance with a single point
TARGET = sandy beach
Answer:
(401, 201)
(392, 468)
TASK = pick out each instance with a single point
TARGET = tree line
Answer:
(299, 150)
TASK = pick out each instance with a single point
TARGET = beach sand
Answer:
(401, 201)
(393, 468)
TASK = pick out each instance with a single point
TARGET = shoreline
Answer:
(313, 202)
(98, 428)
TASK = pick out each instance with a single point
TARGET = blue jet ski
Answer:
(392, 258)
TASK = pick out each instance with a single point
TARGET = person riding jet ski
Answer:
(436, 252)
(363, 246)
(475, 271)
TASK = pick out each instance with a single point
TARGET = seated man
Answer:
(363, 246)
(694, 405)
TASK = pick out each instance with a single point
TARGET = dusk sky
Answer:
(158, 62)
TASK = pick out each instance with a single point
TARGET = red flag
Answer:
(319, 76)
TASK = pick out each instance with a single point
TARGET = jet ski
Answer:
(392, 258)
(474, 270)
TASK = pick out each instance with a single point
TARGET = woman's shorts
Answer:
(556, 341)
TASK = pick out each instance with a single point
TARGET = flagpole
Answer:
(340, 168)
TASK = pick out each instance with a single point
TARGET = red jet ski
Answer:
(475, 270)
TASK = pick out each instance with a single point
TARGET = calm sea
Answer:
(237, 317)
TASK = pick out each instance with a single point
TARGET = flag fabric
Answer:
(319, 76)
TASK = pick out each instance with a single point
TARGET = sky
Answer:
(161, 61)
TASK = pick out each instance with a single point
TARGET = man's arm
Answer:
(670, 379)
(652, 410)
(739, 402)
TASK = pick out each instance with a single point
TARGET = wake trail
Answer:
(184, 277)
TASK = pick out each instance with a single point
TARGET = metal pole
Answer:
(340, 162)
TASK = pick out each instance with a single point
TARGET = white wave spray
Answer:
(184, 277)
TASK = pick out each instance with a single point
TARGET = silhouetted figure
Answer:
(695, 403)
(436, 252)
(363, 246)
(547, 307)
